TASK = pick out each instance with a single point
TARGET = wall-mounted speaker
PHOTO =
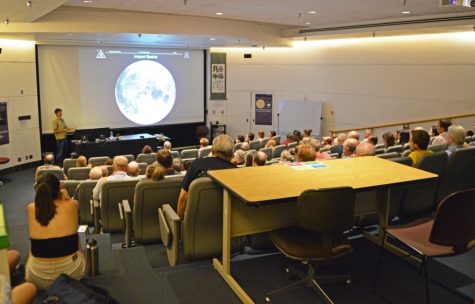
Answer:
(24, 117)
(247, 56)
(0, 50)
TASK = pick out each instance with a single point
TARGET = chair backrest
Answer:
(189, 153)
(85, 197)
(459, 173)
(264, 142)
(202, 233)
(57, 172)
(292, 145)
(406, 146)
(402, 160)
(130, 157)
(468, 139)
(472, 144)
(405, 153)
(454, 223)
(388, 155)
(434, 163)
(203, 152)
(175, 154)
(112, 193)
(268, 152)
(396, 148)
(68, 163)
(237, 146)
(326, 210)
(437, 148)
(277, 139)
(98, 160)
(147, 158)
(379, 146)
(79, 173)
(143, 168)
(149, 196)
(379, 151)
(255, 144)
(70, 186)
(278, 151)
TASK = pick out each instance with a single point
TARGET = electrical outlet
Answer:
(19, 159)
(31, 156)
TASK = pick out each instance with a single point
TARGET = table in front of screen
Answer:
(260, 186)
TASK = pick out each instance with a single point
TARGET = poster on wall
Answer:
(263, 109)
(4, 138)
(218, 76)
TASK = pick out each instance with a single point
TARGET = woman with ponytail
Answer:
(52, 225)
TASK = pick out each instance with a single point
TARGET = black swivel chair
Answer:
(322, 216)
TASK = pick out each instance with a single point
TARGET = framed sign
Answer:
(218, 76)
(263, 109)
(4, 136)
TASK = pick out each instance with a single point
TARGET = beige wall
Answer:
(18, 88)
(361, 82)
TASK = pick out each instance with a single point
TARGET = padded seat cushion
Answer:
(304, 245)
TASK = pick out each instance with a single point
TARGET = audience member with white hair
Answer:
(365, 149)
(119, 172)
(349, 147)
(354, 134)
(456, 138)
(133, 169)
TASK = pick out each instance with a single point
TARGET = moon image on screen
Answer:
(145, 92)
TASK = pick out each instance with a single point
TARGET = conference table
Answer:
(267, 195)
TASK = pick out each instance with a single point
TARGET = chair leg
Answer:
(381, 250)
(426, 271)
(320, 291)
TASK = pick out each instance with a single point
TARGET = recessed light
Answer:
(87, 1)
(312, 12)
(307, 23)
(406, 12)
(70, 34)
(219, 13)
(212, 39)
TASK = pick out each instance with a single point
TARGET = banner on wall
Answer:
(263, 109)
(4, 137)
(218, 76)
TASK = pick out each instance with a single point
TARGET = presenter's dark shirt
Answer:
(200, 166)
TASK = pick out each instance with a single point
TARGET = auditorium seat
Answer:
(379, 146)
(396, 148)
(237, 147)
(264, 142)
(79, 173)
(189, 153)
(204, 152)
(388, 155)
(149, 196)
(98, 160)
(130, 157)
(175, 154)
(254, 145)
(379, 151)
(404, 160)
(143, 168)
(278, 151)
(57, 172)
(201, 228)
(437, 148)
(70, 186)
(112, 193)
(146, 158)
(292, 145)
(68, 163)
(405, 153)
(85, 197)
(277, 139)
(268, 152)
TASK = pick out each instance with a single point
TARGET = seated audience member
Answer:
(104, 170)
(456, 138)
(354, 134)
(239, 157)
(327, 142)
(289, 139)
(259, 159)
(52, 226)
(155, 172)
(307, 132)
(222, 150)
(442, 128)
(74, 155)
(165, 159)
(177, 165)
(240, 139)
(365, 149)
(133, 169)
(96, 173)
(305, 153)
(147, 150)
(167, 145)
(250, 158)
(245, 146)
(23, 293)
(367, 134)
(316, 144)
(419, 141)
(271, 144)
(349, 147)
(433, 132)
(297, 136)
(250, 137)
(338, 148)
(286, 157)
(404, 137)
(471, 132)
(260, 134)
(48, 165)
(187, 163)
(119, 172)
(272, 133)
(108, 162)
(389, 139)
(204, 142)
(81, 162)
(373, 140)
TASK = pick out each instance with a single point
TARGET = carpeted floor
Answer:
(141, 274)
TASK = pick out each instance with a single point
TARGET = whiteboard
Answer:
(299, 115)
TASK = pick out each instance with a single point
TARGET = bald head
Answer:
(133, 168)
(259, 159)
(365, 149)
(95, 173)
(354, 134)
(120, 163)
(49, 159)
(349, 146)
(167, 145)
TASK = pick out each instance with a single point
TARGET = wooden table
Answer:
(274, 189)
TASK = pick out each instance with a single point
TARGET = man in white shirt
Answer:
(119, 172)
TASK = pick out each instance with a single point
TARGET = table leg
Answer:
(224, 268)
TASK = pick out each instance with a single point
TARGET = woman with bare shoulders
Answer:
(52, 225)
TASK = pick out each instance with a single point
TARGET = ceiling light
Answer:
(307, 23)
(312, 12)
(70, 34)
(212, 39)
(87, 1)
(406, 12)
(29, 3)
(219, 13)
(7, 21)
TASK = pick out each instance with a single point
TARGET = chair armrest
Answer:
(126, 217)
(170, 231)
(96, 214)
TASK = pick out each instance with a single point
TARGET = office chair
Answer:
(451, 232)
(322, 216)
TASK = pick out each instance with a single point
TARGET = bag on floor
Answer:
(66, 290)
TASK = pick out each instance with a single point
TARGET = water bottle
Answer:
(92, 258)
(112, 135)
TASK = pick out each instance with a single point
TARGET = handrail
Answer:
(404, 123)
